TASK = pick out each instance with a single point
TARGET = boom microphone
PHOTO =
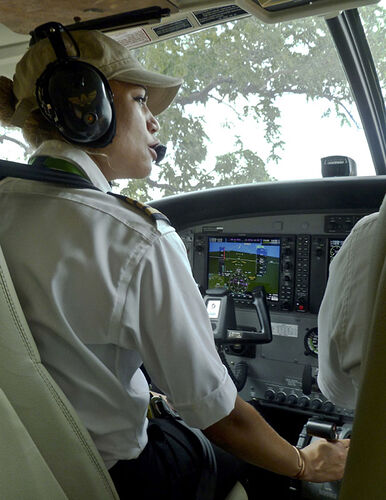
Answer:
(161, 151)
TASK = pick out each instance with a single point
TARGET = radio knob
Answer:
(292, 399)
(281, 397)
(316, 403)
(328, 407)
(304, 401)
(269, 394)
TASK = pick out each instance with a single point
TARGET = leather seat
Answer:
(24, 474)
(45, 451)
(35, 410)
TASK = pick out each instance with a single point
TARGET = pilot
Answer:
(106, 286)
(342, 321)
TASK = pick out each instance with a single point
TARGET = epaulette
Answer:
(151, 212)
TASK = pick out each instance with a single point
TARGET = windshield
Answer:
(374, 22)
(259, 103)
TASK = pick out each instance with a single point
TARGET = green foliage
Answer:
(374, 22)
(240, 167)
(244, 65)
(138, 189)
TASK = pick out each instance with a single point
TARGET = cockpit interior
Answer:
(253, 213)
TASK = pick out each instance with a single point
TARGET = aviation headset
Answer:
(74, 96)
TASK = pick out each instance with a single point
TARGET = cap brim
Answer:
(161, 89)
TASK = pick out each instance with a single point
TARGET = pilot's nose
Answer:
(152, 124)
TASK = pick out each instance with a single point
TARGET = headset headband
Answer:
(53, 31)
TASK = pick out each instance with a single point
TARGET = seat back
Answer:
(237, 493)
(51, 426)
(365, 475)
(24, 474)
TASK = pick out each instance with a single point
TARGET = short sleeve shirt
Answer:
(342, 322)
(104, 289)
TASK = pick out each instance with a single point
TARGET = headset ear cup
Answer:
(76, 98)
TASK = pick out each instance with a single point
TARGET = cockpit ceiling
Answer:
(22, 16)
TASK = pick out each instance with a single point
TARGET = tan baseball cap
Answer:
(113, 59)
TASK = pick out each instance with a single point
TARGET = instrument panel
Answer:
(290, 256)
(293, 267)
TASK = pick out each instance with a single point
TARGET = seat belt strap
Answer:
(37, 172)
(43, 174)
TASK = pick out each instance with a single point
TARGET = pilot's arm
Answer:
(165, 320)
(247, 435)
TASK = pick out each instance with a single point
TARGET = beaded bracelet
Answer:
(301, 464)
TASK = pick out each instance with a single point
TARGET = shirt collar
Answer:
(68, 152)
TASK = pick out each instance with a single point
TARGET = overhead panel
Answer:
(179, 24)
(179, 17)
(23, 16)
(273, 11)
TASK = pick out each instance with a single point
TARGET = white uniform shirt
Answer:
(342, 321)
(105, 288)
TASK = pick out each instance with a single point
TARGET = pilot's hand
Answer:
(325, 460)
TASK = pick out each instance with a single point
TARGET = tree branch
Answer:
(202, 95)
(221, 101)
(11, 139)
(159, 185)
(339, 103)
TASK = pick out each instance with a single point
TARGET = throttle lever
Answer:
(326, 430)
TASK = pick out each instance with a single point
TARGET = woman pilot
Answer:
(106, 286)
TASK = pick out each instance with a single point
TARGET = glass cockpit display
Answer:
(240, 264)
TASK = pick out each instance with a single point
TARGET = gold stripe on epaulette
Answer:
(149, 211)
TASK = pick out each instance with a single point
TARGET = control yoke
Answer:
(221, 311)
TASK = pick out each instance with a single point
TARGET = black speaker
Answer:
(74, 96)
(338, 166)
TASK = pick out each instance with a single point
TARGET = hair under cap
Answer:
(113, 59)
